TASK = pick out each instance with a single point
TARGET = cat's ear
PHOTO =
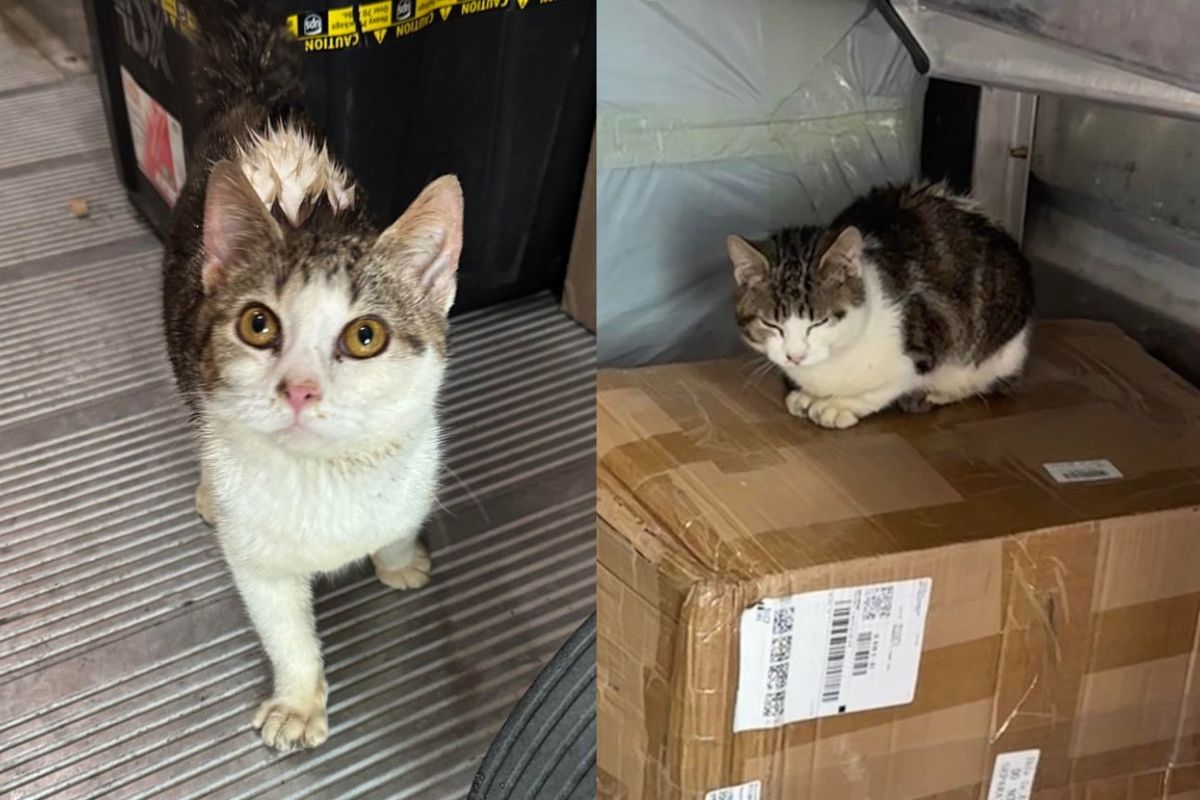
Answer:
(426, 241)
(749, 264)
(843, 259)
(235, 223)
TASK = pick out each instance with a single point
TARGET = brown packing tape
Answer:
(1184, 782)
(1126, 637)
(654, 542)
(1049, 578)
(658, 587)
(753, 491)
(1135, 759)
(1150, 557)
(1134, 705)
(579, 288)
(1143, 786)
(874, 762)
(633, 682)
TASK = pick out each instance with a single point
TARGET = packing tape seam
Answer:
(635, 140)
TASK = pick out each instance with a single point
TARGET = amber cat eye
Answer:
(364, 337)
(258, 326)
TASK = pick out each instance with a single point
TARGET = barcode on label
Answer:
(862, 654)
(745, 791)
(835, 661)
(1083, 471)
(775, 700)
(877, 603)
(1084, 474)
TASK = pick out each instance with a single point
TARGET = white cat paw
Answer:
(204, 504)
(286, 724)
(828, 412)
(798, 402)
(941, 399)
(413, 575)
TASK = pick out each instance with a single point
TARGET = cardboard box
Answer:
(1060, 614)
(579, 289)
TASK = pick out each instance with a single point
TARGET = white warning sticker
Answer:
(1012, 777)
(1083, 471)
(157, 140)
(743, 791)
(821, 654)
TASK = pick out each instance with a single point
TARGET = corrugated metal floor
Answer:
(127, 667)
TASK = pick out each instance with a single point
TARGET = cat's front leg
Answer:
(846, 412)
(403, 564)
(798, 402)
(281, 608)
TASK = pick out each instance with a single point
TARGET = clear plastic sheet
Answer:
(740, 119)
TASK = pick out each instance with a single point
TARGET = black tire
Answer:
(546, 749)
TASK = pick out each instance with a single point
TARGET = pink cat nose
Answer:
(795, 358)
(301, 393)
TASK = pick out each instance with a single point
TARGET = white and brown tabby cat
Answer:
(310, 348)
(910, 296)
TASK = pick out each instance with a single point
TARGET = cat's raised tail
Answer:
(246, 57)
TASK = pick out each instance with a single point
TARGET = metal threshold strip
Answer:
(127, 666)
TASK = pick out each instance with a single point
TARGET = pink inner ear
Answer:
(235, 220)
(211, 272)
(427, 239)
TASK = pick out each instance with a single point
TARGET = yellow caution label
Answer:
(375, 16)
(341, 21)
(414, 25)
(429, 6)
(339, 28)
(319, 43)
(179, 18)
(475, 6)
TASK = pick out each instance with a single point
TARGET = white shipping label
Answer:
(743, 791)
(1012, 777)
(1083, 471)
(821, 654)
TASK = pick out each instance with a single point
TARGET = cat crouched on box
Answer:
(310, 348)
(911, 296)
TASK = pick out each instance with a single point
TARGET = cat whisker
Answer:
(471, 494)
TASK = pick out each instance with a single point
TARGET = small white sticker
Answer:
(743, 791)
(1083, 471)
(821, 654)
(1012, 777)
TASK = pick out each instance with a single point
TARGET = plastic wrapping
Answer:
(740, 118)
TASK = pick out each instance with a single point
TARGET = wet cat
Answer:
(910, 296)
(310, 348)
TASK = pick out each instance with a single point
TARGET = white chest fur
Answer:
(291, 514)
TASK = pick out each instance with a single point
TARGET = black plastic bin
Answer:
(500, 92)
